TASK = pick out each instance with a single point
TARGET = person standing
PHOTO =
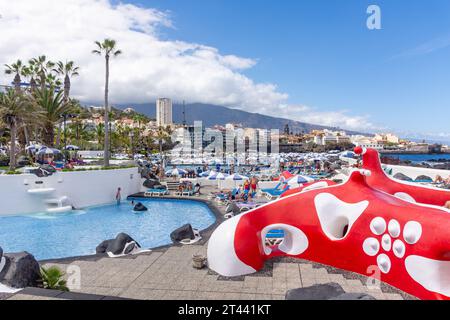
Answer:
(118, 196)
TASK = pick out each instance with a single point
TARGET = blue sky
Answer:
(323, 56)
(308, 60)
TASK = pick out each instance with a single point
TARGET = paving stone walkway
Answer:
(169, 274)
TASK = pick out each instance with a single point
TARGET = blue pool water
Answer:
(50, 236)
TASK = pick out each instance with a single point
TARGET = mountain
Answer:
(218, 115)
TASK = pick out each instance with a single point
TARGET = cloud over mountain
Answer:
(150, 66)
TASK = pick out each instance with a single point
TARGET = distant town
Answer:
(313, 141)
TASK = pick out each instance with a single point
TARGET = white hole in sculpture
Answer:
(294, 242)
(386, 242)
(394, 228)
(378, 226)
(384, 263)
(274, 238)
(412, 232)
(371, 246)
(399, 248)
(336, 216)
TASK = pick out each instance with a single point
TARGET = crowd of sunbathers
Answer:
(189, 187)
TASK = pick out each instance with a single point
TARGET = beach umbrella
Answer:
(236, 177)
(47, 150)
(299, 179)
(212, 175)
(221, 176)
(33, 147)
(286, 175)
(205, 173)
(176, 172)
(72, 147)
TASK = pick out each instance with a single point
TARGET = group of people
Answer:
(187, 186)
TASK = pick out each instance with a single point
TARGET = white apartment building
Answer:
(163, 112)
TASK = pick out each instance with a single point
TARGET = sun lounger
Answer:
(272, 194)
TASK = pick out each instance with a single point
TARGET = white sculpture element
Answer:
(336, 216)
(294, 243)
(399, 249)
(412, 232)
(405, 197)
(222, 257)
(371, 246)
(386, 242)
(378, 226)
(433, 275)
(394, 228)
(384, 263)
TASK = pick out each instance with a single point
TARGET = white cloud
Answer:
(150, 67)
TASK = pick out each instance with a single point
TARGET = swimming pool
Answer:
(51, 236)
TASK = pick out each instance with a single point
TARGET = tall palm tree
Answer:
(100, 133)
(43, 67)
(66, 70)
(162, 135)
(15, 109)
(109, 49)
(17, 69)
(51, 103)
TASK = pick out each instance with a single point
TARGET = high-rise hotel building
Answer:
(163, 112)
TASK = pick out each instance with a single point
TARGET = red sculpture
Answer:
(405, 190)
(350, 226)
(309, 186)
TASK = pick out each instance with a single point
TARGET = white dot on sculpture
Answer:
(412, 232)
(386, 242)
(378, 226)
(394, 228)
(384, 263)
(399, 248)
(371, 246)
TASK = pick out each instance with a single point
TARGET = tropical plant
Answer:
(43, 67)
(109, 49)
(15, 109)
(17, 69)
(100, 133)
(53, 278)
(52, 105)
(162, 135)
(67, 70)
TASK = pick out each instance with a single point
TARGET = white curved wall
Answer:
(84, 188)
(414, 172)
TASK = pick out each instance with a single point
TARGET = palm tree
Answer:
(109, 49)
(67, 70)
(15, 109)
(42, 67)
(100, 132)
(52, 104)
(162, 135)
(17, 69)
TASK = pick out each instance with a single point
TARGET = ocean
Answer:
(419, 157)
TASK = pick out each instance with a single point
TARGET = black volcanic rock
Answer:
(21, 270)
(316, 292)
(401, 176)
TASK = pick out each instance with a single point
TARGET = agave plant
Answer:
(53, 278)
